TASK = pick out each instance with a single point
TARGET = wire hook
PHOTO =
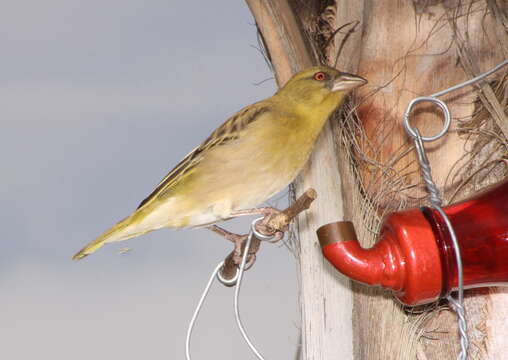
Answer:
(236, 280)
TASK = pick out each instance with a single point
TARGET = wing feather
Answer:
(227, 132)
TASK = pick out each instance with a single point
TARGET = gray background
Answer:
(98, 101)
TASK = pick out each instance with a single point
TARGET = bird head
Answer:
(319, 84)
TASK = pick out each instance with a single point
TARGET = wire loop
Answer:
(259, 235)
(446, 123)
(224, 281)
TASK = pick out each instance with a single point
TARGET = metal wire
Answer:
(237, 279)
(436, 201)
(472, 81)
(435, 197)
(413, 131)
(198, 309)
(252, 232)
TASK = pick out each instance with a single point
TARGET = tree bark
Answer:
(326, 319)
(405, 49)
(441, 44)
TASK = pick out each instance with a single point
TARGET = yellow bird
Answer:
(251, 157)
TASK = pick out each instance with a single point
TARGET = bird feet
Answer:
(266, 226)
(274, 223)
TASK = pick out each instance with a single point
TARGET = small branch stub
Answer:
(273, 224)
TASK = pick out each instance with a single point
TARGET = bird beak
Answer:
(347, 81)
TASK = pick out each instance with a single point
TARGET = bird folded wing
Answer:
(227, 132)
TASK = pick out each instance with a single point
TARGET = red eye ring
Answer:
(320, 76)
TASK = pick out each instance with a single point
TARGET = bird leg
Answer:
(269, 213)
(235, 238)
(274, 222)
(256, 211)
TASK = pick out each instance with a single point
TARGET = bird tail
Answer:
(123, 230)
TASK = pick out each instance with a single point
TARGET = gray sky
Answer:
(98, 101)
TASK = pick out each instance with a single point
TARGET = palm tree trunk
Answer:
(364, 165)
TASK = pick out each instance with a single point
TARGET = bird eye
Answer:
(319, 76)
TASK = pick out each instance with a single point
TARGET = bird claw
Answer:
(262, 227)
(266, 226)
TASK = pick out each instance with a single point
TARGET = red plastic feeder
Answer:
(414, 256)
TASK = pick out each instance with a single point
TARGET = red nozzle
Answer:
(405, 259)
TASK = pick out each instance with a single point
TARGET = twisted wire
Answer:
(461, 314)
(434, 196)
(436, 202)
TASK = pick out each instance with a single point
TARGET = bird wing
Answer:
(227, 132)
